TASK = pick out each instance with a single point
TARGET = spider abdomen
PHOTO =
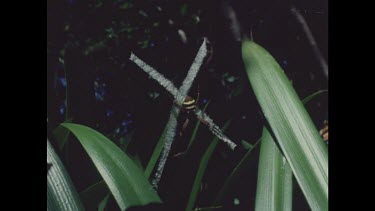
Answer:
(189, 104)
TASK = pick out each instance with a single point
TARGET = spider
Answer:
(189, 107)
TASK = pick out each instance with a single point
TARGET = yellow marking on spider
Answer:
(190, 107)
(190, 102)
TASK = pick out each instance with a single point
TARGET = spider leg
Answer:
(200, 118)
(197, 101)
(181, 133)
(184, 126)
(174, 113)
(179, 107)
(180, 153)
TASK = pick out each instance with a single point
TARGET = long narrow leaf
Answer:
(246, 145)
(310, 97)
(103, 203)
(244, 163)
(241, 166)
(125, 180)
(61, 135)
(201, 169)
(61, 194)
(274, 184)
(156, 153)
(93, 195)
(293, 128)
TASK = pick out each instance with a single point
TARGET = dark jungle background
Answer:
(88, 46)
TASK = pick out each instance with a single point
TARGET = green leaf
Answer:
(125, 180)
(93, 195)
(201, 169)
(125, 141)
(246, 145)
(61, 134)
(244, 163)
(274, 184)
(310, 97)
(293, 128)
(233, 177)
(61, 194)
(156, 153)
(103, 203)
(137, 161)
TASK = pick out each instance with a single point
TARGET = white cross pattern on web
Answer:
(179, 95)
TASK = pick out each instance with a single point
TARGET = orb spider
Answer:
(189, 107)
